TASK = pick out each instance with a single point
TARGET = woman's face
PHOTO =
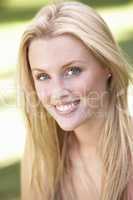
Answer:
(64, 71)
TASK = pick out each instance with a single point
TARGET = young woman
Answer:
(74, 82)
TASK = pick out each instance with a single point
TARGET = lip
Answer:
(63, 113)
(66, 103)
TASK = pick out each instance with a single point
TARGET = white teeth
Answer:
(65, 107)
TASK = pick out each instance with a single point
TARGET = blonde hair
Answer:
(47, 144)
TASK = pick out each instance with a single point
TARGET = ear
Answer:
(108, 71)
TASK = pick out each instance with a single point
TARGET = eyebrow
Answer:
(65, 65)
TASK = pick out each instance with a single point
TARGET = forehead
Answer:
(56, 51)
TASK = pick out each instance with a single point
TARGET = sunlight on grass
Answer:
(120, 20)
(24, 3)
(12, 133)
(9, 40)
(117, 19)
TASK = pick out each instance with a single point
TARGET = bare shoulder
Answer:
(130, 189)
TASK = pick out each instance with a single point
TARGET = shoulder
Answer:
(130, 189)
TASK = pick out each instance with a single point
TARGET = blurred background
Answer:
(14, 16)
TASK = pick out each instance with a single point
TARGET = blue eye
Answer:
(70, 71)
(42, 77)
(74, 71)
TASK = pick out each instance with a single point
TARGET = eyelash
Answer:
(75, 67)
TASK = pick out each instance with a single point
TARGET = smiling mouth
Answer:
(67, 108)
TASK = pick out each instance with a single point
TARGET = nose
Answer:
(59, 91)
(59, 95)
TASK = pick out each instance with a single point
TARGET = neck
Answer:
(88, 134)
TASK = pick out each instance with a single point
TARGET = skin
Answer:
(57, 84)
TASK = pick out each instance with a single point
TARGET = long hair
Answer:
(49, 165)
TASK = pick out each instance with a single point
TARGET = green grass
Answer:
(21, 10)
(96, 3)
(10, 182)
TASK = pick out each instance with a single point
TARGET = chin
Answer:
(66, 128)
(69, 126)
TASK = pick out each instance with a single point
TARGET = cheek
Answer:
(42, 93)
(96, 82)
(97, 93)
(92, 88)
